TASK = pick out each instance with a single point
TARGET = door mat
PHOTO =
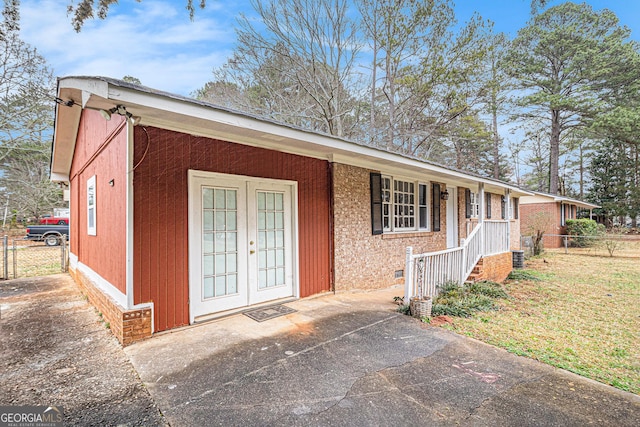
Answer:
(266, 313)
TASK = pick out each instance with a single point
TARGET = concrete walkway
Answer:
(352, 360)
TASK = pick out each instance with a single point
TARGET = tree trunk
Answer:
(554, 152)
(496, 144)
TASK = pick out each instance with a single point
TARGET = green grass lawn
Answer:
(582, 315)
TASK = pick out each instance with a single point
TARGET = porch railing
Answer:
(426, 272)
(496, 237)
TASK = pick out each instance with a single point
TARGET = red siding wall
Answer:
(161, 207)
(101, 151)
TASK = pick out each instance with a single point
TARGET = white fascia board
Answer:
(539, 197)
(59, 177)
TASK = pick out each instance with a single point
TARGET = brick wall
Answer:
(362, 260)
(531, 213)
(128, 326)
(496, 267)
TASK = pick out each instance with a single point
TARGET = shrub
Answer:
(487, 288)
(463, 301)
(583, 227)
(523, 275)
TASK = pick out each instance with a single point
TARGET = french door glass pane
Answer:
(271, 230)
(219, 248)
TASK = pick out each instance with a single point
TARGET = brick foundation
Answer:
(495, 267)
(128, 326)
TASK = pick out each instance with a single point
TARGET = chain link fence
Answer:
(610, 245)
(27, 258)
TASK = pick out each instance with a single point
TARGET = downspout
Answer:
(332, 235)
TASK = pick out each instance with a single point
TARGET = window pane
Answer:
(207, 267)
(220, 196)
(207, 242)
(221, 285)
(231, 221)
(232, 266)
(262, 279)
(207, 220)
(423, 217)
(280, 276)
(220, 242)
(279, 202)
(207, 292)
(231, 242)
(221, 264)
(271, 277)
(262, 259)
(270, 201)
(221, 220)
(207, 198)
(422, 196)
(231, 199)
(232, 284)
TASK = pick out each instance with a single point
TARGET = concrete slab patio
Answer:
(352, 360)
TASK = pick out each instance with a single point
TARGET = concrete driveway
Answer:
(351, 360)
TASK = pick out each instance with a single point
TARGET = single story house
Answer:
(182, 211)
(550, 213)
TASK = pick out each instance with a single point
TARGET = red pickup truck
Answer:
(53, 220)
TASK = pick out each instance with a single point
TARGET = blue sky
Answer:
(155, 41)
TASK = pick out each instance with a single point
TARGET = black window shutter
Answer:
(488, 205)
(503, 206)
(375, 180)
(516, 202)
(435, 202)
(467, 201)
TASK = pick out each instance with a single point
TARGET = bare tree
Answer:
(297, 63)
(26, 121)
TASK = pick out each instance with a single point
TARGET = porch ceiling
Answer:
(173, 112)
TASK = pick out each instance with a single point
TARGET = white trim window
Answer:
(91, 206)
(475, 204)
(404, 205)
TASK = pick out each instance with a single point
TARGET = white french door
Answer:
(241, 248)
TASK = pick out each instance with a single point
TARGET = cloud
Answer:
(152, 40)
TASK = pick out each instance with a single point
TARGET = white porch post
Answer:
(408, 280)
(481, 210)
(508, 218)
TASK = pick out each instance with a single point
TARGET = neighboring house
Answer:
(182, 211)
(550, 213)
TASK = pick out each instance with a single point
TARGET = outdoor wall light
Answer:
(444, 195)
(111, 183)
(121, 110)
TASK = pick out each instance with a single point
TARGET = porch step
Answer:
(477, 274)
